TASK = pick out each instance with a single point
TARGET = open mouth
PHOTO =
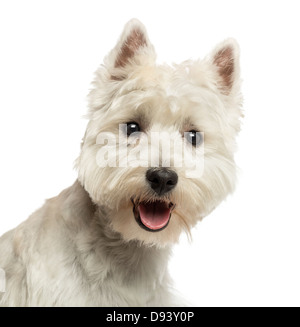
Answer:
(153, 216)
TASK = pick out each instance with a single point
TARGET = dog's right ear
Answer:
(133, 49)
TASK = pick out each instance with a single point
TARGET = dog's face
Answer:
(157, 155)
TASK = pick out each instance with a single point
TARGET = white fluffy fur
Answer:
(84, 247)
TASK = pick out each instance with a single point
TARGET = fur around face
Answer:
(84, 247)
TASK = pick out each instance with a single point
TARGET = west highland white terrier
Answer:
(157, 157)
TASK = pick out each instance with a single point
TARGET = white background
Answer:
(246, 253)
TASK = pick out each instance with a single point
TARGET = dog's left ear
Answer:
(225, 60)
(133, 49)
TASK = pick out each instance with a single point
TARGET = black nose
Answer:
(161, 180)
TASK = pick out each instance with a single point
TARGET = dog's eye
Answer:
(194, 137)
(132, 127)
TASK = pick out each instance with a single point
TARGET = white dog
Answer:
(156, 158)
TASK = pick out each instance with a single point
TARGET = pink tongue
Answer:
(154, 215)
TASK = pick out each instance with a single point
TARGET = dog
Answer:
(106, 240)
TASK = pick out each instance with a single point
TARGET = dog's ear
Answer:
(225, 60)
(133, 48)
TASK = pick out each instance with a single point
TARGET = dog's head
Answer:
(157, 155)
